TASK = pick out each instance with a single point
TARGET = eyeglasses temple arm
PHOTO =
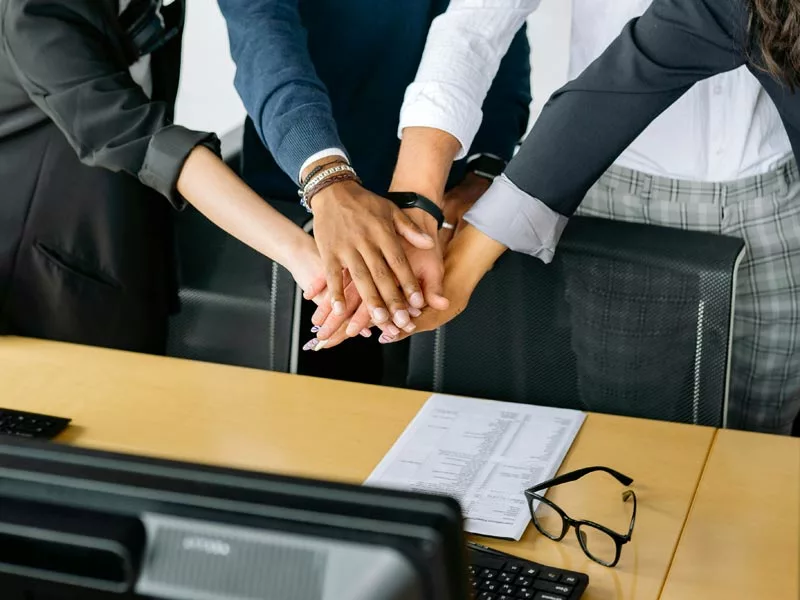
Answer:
(627, 494)
(567, 477)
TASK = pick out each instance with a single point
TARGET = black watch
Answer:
(414, 200)
(487, 166)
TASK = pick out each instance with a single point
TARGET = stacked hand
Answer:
(357, 235)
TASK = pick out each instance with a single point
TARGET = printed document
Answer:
(484, 454)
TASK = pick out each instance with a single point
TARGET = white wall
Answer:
(208, 101)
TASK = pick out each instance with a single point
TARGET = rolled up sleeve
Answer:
(61, 54)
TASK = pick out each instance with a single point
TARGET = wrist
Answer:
(472, 254)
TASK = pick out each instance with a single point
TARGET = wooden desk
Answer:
(318, 428)
(742, 538)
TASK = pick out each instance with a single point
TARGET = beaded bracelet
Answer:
(316, 170)
(327, 182)
(322, 176)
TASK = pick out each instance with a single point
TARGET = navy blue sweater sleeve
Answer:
(277, 82)
(507, 106)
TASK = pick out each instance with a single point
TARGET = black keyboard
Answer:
(30, 425)
(499, 576)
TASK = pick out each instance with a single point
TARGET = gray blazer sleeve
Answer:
(63, 55)
(588, 123)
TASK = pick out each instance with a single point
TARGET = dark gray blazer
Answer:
(588, 123)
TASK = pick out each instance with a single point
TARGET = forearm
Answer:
(211, 187)
(424, 162)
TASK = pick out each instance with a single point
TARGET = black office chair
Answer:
(237, 307)
(629, 319)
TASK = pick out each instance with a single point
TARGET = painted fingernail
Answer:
(380, 315)
(321, 345)
(366, 333)
(352, 329)
(311, 344)
(401, 318)
(409, 328)
(414, 312)
(314, 329)
(392, 330)
(417, 300)
(339, 307)
(386, 339)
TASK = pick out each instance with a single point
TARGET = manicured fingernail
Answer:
(366, 333)
(409, 328)
(324, 332)
(401, 318)
(380, 315)
(352, 329)
(414, 312)
(417, 300)
(392, 330)
(311, 344)
(314, 329)
(386, 339)
(339, 308)
(321, 345)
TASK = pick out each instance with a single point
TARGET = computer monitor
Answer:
(84, 525)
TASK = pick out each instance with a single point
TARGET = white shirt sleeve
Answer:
(461, 58)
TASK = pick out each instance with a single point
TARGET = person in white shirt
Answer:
(719, 159)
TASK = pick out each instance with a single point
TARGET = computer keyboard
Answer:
(499, 576)
(30, 425)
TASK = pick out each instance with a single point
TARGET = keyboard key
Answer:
(530, 572)
(548, 596)
(554, 588)
(525, 594)
(505, 578)
(550, 575)
(509, 590)
(481, 560)
(514, 567)
(487, 574)
(523, 581)
(490, 586)
(569, 579)
(487, 596)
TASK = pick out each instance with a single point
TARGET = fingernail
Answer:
(392, 330)
(414, 312)
(386, 339)
(339, 307)
(314, 329)
(409, 328)
(311, 344)
(366, 333)
(380, 315)
(321, 345)
(401, 318)
(417, 300)
(324, 332)
(352, 329)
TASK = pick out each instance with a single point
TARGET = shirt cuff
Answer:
(166, 154)
(517, 220)
(441, 106)
(319, 156)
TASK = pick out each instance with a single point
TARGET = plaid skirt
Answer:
(765, 212)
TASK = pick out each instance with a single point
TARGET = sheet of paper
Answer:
(484, 454)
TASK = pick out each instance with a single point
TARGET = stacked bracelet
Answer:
(323, 179)
(316, 170)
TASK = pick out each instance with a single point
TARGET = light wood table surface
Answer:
(742, 538)
(318, 428)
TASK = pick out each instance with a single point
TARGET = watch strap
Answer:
(414, 200)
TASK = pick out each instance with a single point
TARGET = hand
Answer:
(305, 265)
(469, 257)
(428, 269)
(357, 230)
(458, 201)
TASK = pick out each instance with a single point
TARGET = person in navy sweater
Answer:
(324, 82)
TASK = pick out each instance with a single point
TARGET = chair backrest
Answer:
(237, 307)
(628, 319)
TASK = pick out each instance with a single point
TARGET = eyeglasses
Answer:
(598, 542)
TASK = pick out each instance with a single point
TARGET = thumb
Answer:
(433, 290)
(411, 232)
(315, 288)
